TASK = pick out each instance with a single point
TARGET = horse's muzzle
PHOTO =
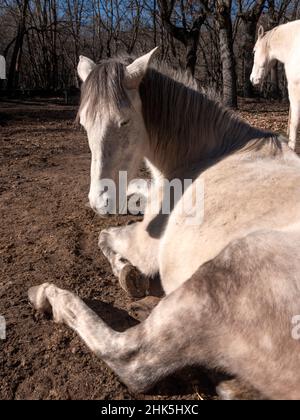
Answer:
(255, 80)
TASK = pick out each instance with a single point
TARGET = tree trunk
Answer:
(14, 68)
(188, 37)
(227, 56)
(191, 49)
(249, 18)
(248, 45)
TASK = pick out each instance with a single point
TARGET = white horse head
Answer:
(262, 58)
(111, 113)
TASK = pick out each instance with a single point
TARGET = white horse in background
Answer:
(2, 68)
(282, 44)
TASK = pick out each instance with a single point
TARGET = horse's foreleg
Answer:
(165, 342)
(130, 278)
(125, 249)
(294, 93)
(289, 123)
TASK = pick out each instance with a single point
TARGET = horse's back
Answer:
(238, 198)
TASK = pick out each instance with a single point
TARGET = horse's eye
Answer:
(124, 123)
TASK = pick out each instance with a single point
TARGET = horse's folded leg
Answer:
(133, 281)
(130, 278)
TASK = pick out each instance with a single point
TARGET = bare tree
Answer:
(210, 57)
(223, 16)
(249, 13)
(42, 39)
(15, 63)
(74, 13)
(187, 33)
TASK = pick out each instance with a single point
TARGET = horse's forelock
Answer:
(104, 91)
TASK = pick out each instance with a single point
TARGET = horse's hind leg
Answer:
(173, 336)
(234, 389)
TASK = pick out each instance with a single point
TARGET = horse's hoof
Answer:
(133, 281)
(143, 308)
(292, 145)
(226, 393)
(37, 298)
(234, 389)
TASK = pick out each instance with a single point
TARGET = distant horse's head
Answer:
(111, 113)
(262, 58)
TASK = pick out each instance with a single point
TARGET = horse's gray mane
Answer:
(175, 109)
(104, 86)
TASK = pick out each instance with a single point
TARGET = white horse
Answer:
(231, 280)
(282, 44)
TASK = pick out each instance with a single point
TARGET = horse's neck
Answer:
(185, 127)
(206, 134)
(164, 160)
(280, 39)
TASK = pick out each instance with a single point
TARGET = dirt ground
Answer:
(49, 234)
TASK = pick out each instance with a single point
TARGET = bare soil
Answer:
(49, 234)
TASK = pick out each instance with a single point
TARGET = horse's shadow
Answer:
(118, 319)
(188, 381)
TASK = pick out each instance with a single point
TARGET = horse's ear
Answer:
(136, 70)
(85, 66)
(261, 32)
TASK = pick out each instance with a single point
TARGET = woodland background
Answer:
(213, 39)
(47, 232)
